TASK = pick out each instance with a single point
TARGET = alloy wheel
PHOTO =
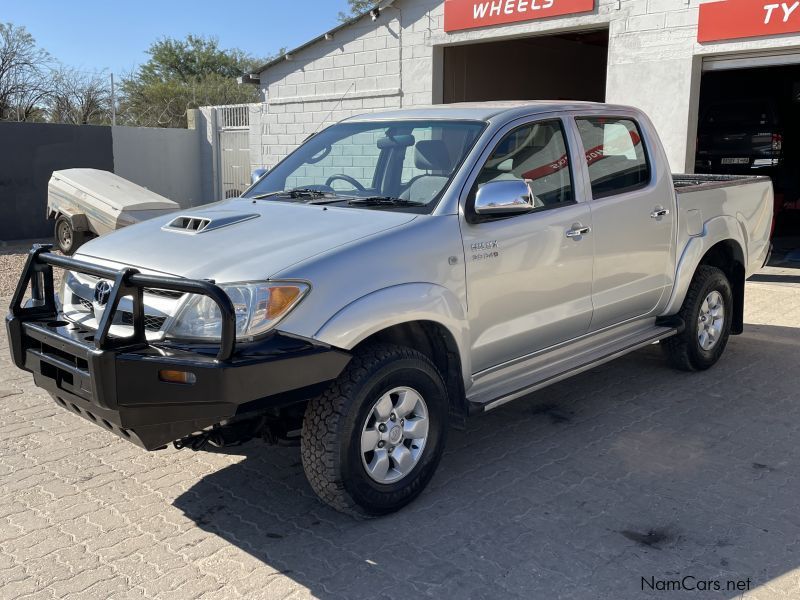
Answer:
(394, 434)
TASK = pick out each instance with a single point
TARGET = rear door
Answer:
(633, 211)
(529, 283)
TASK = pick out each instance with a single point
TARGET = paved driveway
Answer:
(627, 472)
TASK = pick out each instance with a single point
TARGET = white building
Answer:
(645, 53)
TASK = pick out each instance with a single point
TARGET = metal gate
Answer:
(233, 124)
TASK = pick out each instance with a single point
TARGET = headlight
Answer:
(258, 306)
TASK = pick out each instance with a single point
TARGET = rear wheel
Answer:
(371, 443)
(706, 312)
(67, 239)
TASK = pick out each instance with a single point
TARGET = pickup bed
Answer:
(396, 274)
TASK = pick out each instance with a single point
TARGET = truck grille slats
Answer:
(163, 293)
(151, 323)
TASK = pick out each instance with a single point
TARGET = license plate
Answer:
(735, 161)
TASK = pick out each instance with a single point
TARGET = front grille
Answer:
(163, 293)
(158, 301)
(87, 304)
(151, 323)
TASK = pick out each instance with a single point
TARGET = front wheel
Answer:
(706, 312)
(371, 443)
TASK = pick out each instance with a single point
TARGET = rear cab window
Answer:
(615, 155)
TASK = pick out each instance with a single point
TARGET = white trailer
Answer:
(89, 202)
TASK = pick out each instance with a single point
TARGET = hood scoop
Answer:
(201, 224)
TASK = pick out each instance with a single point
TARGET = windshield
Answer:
(396, 164)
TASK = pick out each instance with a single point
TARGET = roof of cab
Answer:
(483, 111)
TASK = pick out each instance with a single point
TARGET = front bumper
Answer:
(116, 382)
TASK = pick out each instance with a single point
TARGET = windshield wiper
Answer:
(383, 201)
(294, 194)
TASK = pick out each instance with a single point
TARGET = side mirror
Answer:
(503, 198)
(257, 174)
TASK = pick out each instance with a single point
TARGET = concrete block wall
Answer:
(654, 63)
(357, 71)
(359, 151)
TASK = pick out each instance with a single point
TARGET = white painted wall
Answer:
(166, 161)
(654, 63)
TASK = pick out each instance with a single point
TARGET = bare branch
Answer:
(24, 73)
(80, 98)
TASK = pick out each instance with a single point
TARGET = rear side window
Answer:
(615, 154)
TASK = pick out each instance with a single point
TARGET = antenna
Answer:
(335, 106)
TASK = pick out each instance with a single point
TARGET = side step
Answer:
(546, 373)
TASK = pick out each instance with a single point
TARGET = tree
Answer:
(80, 98)
(357, 7)
(184, 74)
(24, 74)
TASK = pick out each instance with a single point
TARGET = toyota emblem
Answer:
(102, 292)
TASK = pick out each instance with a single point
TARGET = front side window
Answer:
(377, 164)
(537, 154)
(615, 155)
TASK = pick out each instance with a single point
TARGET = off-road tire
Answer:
(331, 433)
(684, 350)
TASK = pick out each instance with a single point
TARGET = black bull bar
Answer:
(117, 381)
(38, 274)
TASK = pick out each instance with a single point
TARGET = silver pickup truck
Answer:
(394, 275)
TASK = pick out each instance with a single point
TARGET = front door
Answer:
(632, 220)
(529, 283)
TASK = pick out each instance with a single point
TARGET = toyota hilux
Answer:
(396, 274)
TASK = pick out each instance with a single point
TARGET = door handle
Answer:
(659, 212)
(578, 231)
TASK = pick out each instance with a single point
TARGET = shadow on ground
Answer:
(629, 471)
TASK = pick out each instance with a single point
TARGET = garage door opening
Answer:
(749, 124)
(569, 66)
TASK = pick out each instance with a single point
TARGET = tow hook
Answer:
(234, 432)
(198, 441)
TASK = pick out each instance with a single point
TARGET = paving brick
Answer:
(629, 470)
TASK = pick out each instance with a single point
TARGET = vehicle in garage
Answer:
(743, 105)
(740, 135)
(397, 273)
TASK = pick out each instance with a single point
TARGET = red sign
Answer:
(734, 19)
(468, 14)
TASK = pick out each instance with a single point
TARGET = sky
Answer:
(93, 35)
